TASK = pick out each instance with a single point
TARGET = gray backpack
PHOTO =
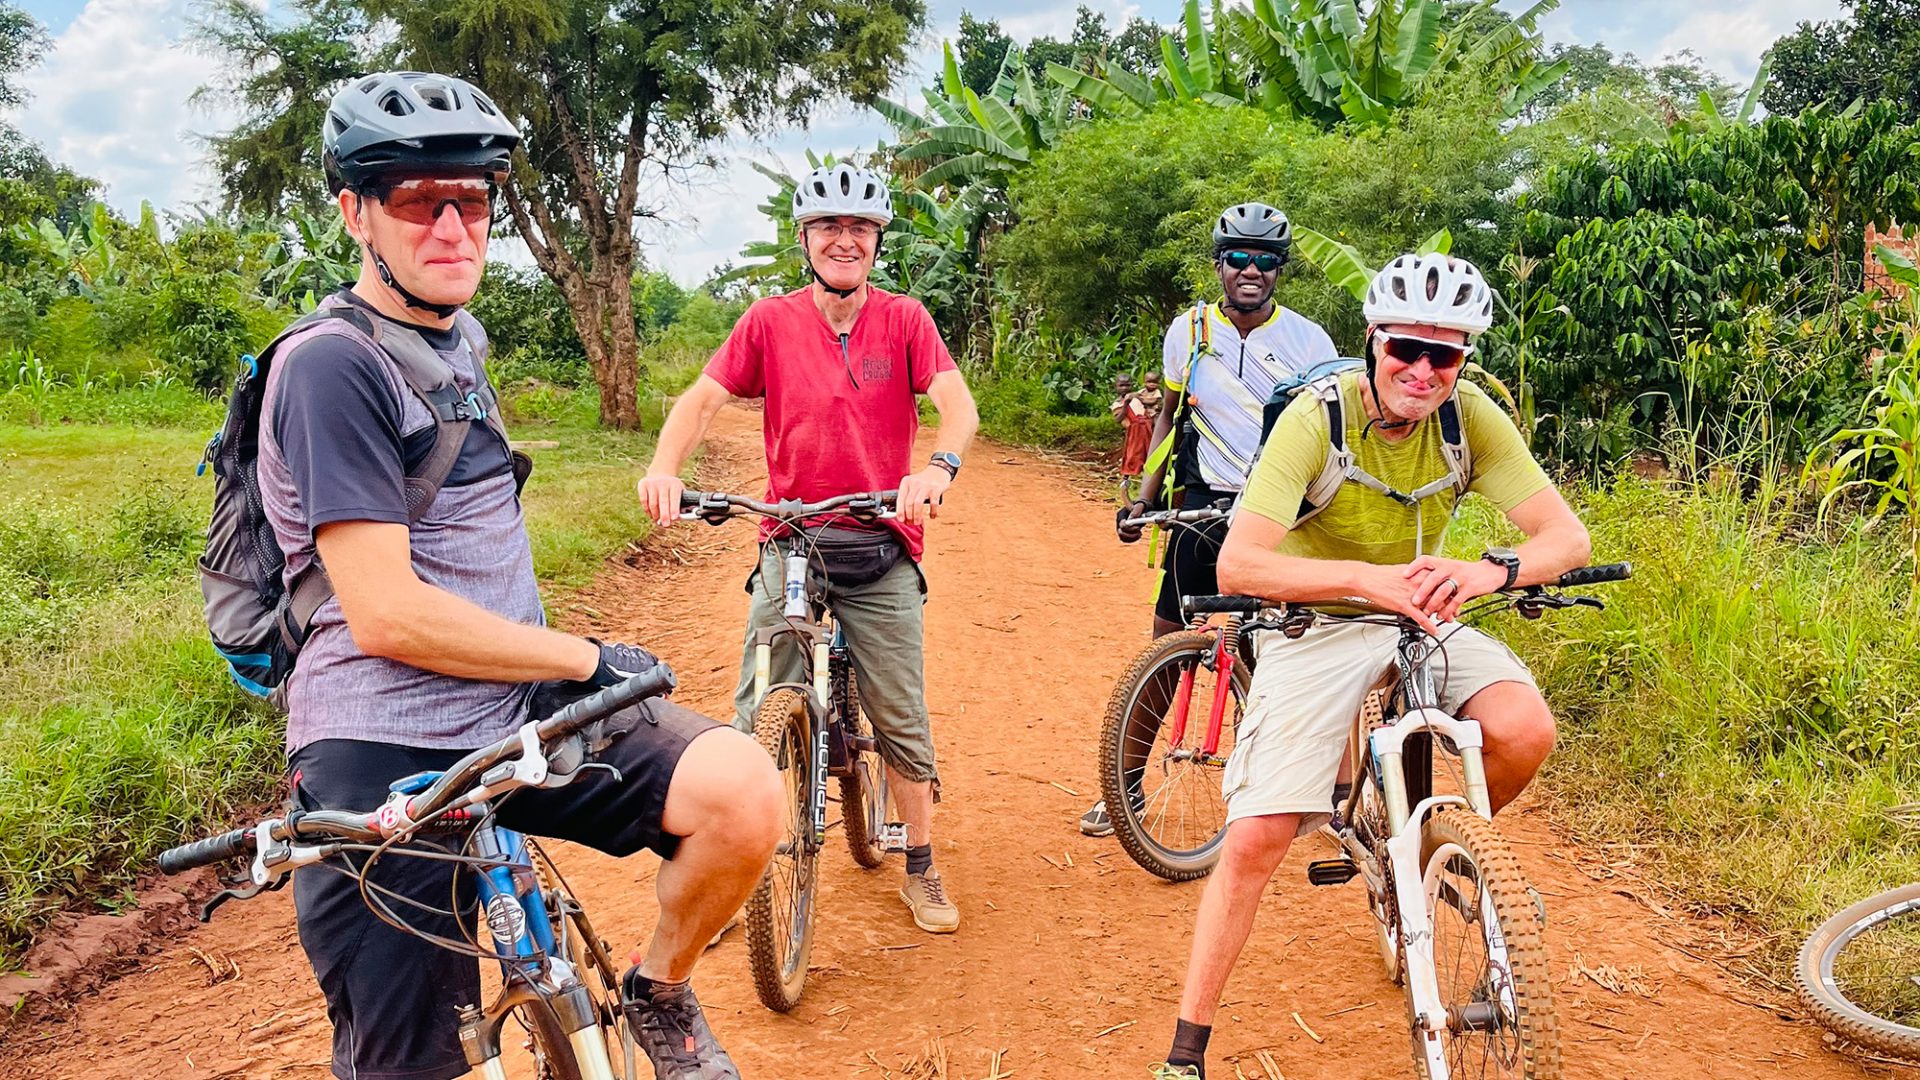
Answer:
(1323, 382)
(257, 620)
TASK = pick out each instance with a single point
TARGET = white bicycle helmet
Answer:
(842, 191)
(1433, 289)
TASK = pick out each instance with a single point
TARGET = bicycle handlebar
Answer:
(718, 506)
(455, 781)
(206, 852)
(1247, 605)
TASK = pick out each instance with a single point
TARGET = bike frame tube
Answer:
(1182, 701)
(1223, 661)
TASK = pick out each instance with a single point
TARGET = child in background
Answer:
(1131, 412)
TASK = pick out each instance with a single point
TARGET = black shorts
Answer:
(1192, 553)
(391, 996)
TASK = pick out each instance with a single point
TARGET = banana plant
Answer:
(964, 138)
(1196, 66)
(319, 255)
(1326, 61)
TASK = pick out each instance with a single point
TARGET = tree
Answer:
(608, 91)
(32, 186)
(981, 47)
(1875, 54)
(280, 75)
(22, 42)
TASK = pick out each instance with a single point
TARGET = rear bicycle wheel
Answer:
(1859, 973)
(1164, 800)
(1490, 957)
(780, 912)
(864, 798)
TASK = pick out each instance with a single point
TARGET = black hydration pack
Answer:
(259, 621)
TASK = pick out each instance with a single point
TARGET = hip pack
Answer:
(258, 620)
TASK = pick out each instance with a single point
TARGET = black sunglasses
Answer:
(1408, 349)
(1264, 261)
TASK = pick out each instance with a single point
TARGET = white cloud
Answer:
(1731, 37)
(110, 100)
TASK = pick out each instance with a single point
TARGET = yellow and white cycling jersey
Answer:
(1228, 378)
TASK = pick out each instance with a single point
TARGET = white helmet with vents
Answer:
(842, 191)
(1436, 290)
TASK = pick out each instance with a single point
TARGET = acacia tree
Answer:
(280, 74)
(608, 90)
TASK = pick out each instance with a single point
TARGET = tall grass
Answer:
(1748, 706)
(120, 733)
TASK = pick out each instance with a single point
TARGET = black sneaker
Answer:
(1095, 822)
(672, 1031)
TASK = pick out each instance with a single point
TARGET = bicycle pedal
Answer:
(1331, 871)
(893, 836)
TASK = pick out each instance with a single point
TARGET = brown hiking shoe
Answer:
(926, 895)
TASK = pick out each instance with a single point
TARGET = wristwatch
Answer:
(1505, 557)
(947, 461)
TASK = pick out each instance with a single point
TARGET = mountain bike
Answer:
(1160, 756)
(1457, 924)
(1859, 973)
(558, 980)
(816, 734)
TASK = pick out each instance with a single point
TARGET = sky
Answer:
(112, 98)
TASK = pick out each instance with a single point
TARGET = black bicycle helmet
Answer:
(399, 120)
(1253, 227)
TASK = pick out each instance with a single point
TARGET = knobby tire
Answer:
(1813, 975)
(783, 725)
(863, 790)
(1123, 735)
(1535, 1037)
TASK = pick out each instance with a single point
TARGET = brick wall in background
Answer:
(1876, 275)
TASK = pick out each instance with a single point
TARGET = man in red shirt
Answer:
(840, 365)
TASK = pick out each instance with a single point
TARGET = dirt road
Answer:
(1069, 957)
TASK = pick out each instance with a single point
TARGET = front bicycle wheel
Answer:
(1164, 798)
(1490, 958)
(576, 942)
(780, 912)
(1859, 973)
(552, 1053)
(863, 791)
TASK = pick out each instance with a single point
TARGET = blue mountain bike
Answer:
(558, 981)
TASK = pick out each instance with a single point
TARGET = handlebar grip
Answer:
(891, 495)
(206, 852)
(691, 500)
(1245, 605)
(1594, 575)
(653, 682)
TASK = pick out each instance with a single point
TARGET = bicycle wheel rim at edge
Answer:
(1122, 732)
(1503, 889)
(779, 919)
(1815, 982)
(550, 1041)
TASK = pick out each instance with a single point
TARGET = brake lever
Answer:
(246, 893)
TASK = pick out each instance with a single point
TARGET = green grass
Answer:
(120, 732)
(1747, 709)
(1023, 412)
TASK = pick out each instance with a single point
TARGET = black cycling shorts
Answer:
(390, 995)
(1192, 553)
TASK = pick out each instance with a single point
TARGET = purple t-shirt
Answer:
(339, 430)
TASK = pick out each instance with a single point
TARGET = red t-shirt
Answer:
(841, 415)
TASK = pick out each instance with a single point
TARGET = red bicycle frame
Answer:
(1223, 661)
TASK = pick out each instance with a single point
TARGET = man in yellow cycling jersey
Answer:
(1366, 543)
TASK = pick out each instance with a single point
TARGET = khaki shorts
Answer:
(1302, 702)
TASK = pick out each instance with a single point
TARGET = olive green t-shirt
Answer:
(1361, 524)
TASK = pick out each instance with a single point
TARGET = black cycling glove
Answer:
(619, 662)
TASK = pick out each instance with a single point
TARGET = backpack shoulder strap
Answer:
(430, 378)
(1339, 461)
(1453, 443)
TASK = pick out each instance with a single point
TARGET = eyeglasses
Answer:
(1264, 261)
(1408, 349)
(421, 201)
(833, 230)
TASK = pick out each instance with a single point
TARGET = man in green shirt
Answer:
(1364, 543)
